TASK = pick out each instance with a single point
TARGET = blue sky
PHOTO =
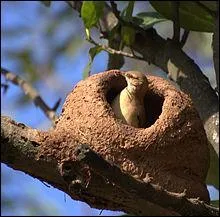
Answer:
(68, 71)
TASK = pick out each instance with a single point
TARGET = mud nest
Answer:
(172, 148)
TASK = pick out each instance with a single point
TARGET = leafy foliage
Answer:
(128, 35)
(147, 20)
(128, 11)
(127, 32)
(92, 53)
(192, 16)
(91, 11)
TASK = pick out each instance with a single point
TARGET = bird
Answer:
(128, 105)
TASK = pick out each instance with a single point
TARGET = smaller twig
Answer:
(176, 23)
(184, 38)
(113, 51)
(44, 183)
(101, 212)
(56, 105)
(32, 93)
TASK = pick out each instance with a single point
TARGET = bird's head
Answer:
(136, 80)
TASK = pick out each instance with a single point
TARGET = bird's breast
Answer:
(129, 108)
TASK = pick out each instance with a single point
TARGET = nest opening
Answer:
(153, 104)
(152, 101)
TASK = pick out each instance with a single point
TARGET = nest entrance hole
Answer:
(153, 104)
(152, 101)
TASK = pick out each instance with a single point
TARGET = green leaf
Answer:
(92, 53)
(192, 16)
(91, 11)
(128, 35)
(211, 5)
(46, 3)
(148, 19)
(128, 11)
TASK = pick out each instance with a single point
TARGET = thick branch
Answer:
(144, 190)
(19, 147)
(91, 179)
(115, 61)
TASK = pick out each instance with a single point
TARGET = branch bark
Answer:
(176, 22)
(19, 148)
(91, 179)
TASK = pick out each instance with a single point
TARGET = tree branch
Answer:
(19, 148)
(153, 193)
(113, 51)
(184, 38)
(115, 61)
(90, 178)
(33, 94)
(176, 22)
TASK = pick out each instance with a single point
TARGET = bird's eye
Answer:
(131, 76)
(128, 75)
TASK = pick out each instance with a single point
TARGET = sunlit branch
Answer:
(32, 93)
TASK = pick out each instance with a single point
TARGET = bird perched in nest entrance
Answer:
(128, 105)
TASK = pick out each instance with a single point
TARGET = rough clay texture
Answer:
(172, 149)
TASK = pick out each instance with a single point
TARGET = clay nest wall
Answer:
(172, 149)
